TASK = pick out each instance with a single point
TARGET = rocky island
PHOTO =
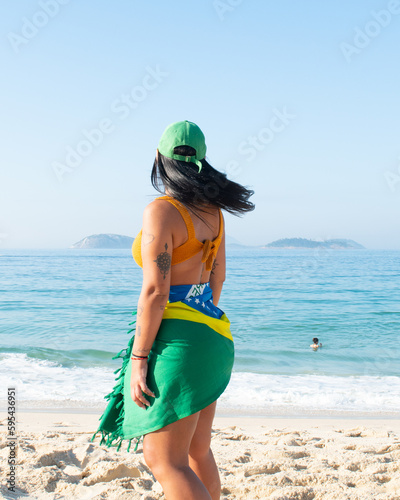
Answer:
(120, 241)
(334, 244)
(104, 241)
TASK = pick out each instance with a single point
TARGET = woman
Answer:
(180, 359)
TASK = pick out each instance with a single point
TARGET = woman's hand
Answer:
(138, 383)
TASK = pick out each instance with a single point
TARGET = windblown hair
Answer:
(199, 191)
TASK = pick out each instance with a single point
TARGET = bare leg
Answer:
(166, 452)
(201, 459)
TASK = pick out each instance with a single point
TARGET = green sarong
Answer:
(189, 367)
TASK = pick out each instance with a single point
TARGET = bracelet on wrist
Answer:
(134, 357)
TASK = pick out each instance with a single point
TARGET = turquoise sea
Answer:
(65, 313)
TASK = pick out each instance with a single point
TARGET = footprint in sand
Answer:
(244, 459)
(353, 467)
(269, 468)
(238, 437)
(58, 458)
(88, 453)
(354, 433)
(105, 472)
(289, 441)
(382, 479)
(297, 454)
(289, 494)
(226, 491)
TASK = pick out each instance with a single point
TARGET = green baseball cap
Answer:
(183, 134)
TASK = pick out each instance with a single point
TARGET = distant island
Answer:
(104, 241)
(337, 244)
(120, 241)
(232, 242)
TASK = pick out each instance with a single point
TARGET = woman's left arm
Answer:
(217, 276)
(157, 246)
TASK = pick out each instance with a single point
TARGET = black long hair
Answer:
(198, 190)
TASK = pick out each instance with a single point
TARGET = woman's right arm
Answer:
(156, 258)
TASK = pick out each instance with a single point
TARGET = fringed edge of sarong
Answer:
(116, 438)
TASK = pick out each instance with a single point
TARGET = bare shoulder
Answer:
(160, 210)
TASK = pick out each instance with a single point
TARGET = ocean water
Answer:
(65, 313)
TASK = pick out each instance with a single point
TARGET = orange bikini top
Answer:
(192, 245)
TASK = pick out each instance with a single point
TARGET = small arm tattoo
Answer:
(145, 351)
(147, 238)
(140, 310)
(163, 262)
(139, 331)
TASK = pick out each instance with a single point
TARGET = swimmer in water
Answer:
(315, 343)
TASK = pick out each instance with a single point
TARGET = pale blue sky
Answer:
(312, 125)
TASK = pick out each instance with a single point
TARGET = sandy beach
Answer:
(258, 458)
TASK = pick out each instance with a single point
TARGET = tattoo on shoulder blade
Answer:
(147, 238)
(163, 262)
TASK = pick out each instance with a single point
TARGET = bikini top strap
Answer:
(184, 213)
(221, 225)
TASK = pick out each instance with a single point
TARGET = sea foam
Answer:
(39, 380)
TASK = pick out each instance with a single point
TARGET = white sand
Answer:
(280, 459)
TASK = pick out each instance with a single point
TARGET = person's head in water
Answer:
(315, 343)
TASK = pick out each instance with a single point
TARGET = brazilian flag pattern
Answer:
(189, 367)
